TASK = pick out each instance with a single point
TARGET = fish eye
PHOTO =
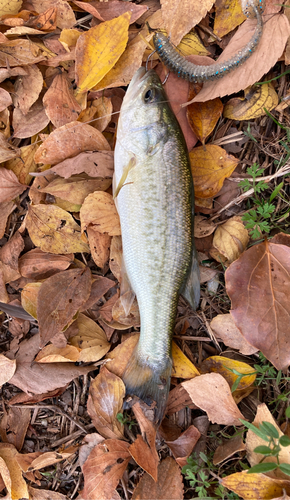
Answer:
(149, 95)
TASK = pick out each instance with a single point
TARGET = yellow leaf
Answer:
(203, 116)
(223, 365)
(228, 16)
(182, 366)
(52, 354)
(9, 7)
(76, 188)
(24, 163)
(99, 210)
(54, 230)
(91, 340)
(253, 104)
(29, 296)
(99, 49)
(230, 240)
(18, 485)
(255, 486)
(210, 166)
(68, 38)
(191, 45)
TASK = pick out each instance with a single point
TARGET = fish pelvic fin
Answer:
(150, 383)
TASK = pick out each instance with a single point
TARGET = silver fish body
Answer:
(154, 197)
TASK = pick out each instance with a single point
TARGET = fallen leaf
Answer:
(203, 117)
(7, 369)
(252, 441)
(7, 151)
(98, 49)
(89, 442)
(10, 187)
(18, 488)
(179, 18)
(76, 188)
(223, 365)
(39, 460)
(228, 16)
(210, 166)
(24, 163)
(91, 340)
(143, 456)
(52, 354)
(212, 394)
(100, 286)
(45, 21)
(59, 298)
(18, 52)
(100, 211)
(98, 113)
(255, 486)
(65, 17)
(94, 164)
(169, 485)
(36, 494)
(225, 330)
(182, 367)
(10, 8)
(6, 208)
(59, 102)
(258, 286)
(99, 245)
(105, 11)
(37, 378)
(229, 448)
(104, 468)
(130, 318)
(5, 99)
(54, 230)
(229, 241)
(182, 446)
(253, 105)
(29, 296)
(118, 358)
(105, 401)
(69, 140)
(27, 88)
(37, 264)
(30, 124)
(14, 425)
(203, 227)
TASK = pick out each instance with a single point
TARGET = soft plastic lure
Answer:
(195, 73)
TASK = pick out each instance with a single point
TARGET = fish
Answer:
(153, 192)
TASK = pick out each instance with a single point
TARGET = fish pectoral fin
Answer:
(191, 286)
(125, 174)
(150, 383)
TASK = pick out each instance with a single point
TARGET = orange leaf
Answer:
(169, 484)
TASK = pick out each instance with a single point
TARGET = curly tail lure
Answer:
(195, 73)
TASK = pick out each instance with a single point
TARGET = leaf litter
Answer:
(64, 352)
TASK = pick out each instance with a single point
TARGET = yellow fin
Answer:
(125, 174)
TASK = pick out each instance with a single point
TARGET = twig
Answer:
(58, 410)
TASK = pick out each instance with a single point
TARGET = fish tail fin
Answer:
(150, 383)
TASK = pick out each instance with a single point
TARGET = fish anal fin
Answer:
(191, 286)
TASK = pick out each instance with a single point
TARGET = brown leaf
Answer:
(131, 318)
(109, 10)
(99, 245)
(36, 494)
(7, 151)
(59, 102)
(14, 425)
(10, 187)
(68, 141)
(104, 468)
(119, 357)
(225, 330)
(24, 163)
(276, 28)
(65, 17)
(10, 252)
(182, 446)
(7, 368)
(169, 485)
(90, 441)
(258, 286)
(45, 21)
(6, 208)
(228, 448)
(59, 298)
(178, 399)
(54, 230)
(37, 378)
(105, 400)
(99, 210)
(94, 164)
(40, 265)
(180, 17)
(203, 227)
(30, 124)
(212, 394)
(100, 286)
(144, 457)
(90, 339)
(18, 52)
(76, 188)
(5, 99)
(98, 113)
(27, 88)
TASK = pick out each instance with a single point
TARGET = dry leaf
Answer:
(18, 52)
(100, 211)
(7, 369)
(91, 340)
(30, 124)
(99, 245)
(258, 286)
(225, 330)
(228, 448)
(59, 102)
(94, 164)
(52, 354)
(29, 296)
(24, 163)
(228, 16)
(169, 485)
(202, 226)
(223, 365)
(68, 141)
(229, 241)
(253, 105)
(45, 494)
(6, 208)
(14, 425)
(130, 318)
(65, 17)
(59, 298)
(204, 116)
(212, 394)
(119, 357)
(9, 8)
(144, 457)
(182, 446)
(54, 230)
(37, 264)
(210, 167)
(27, 88)
(10, 187)
(104, 402)
(255, 486)
(182, 367)
(18, 489)
(76, 188)
(98, 49)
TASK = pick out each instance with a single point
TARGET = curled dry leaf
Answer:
(252, 441)
(7, 369)
(182, 446)
(203, 227)
(229, 241)
(65, 17)
(7, 151)
(14, 425)
(100, 286)
(59, 298)
(105, 400)
(37, 264)
(212, 394)
(69, 140)
(59, 102)
(29, 296)
(169, 485)
(255, 486)
(5, 99)
(253, 105)
(228, 448)
(12, 473)
(52, 354)
(210, 167)
(98, 49)
(94, 164)
(100, 211)
(104, 11)
(225, 329)
(54, 230)
(27, 88)
(258, 286)
(91, 340)
(104, 468)
(24, 163)
(10, 187)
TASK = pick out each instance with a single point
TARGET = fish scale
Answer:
(153, 191)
